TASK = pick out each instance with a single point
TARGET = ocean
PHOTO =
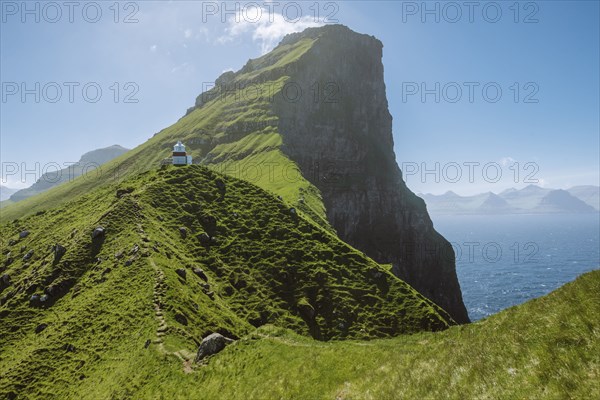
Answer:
(505, 260)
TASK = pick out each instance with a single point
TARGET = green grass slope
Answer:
(547, 348)
(232, 130)
(119, 314)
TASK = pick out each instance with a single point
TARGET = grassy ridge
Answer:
(262, 264)
(233, 131)
(547, 348)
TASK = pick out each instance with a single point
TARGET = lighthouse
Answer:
(180, 157)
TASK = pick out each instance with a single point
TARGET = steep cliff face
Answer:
(309, 122)
(340, 135)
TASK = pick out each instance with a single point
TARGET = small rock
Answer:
(204, 238)
(59, 251)
(35, 299)
(69, 347)
(4, 281)
(200, 273)
(118, 254)
(135, 249)
(181, 272)
(123, 192)
(23, 234)
(129, 261)
(293, 211)
(181, 319)
(28, 255)
(183, 232)
(12, 242)
(98, 232)
(147, 343)
(44, 298)
(40, 328)
(212, 344)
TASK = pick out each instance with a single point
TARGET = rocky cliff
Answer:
(342, 140)
(308, 122)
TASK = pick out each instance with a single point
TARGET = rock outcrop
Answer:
(342, 141)
(212, 344)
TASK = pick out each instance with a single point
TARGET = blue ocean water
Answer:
(505, 260)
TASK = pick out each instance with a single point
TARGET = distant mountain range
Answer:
(87, 162)
(6, 192)
(531, 199)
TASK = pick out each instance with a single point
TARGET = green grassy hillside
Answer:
(186, 252)
(548, 348)
(232, 130)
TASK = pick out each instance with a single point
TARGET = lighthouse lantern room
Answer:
(180, 156)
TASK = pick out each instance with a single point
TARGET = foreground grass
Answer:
(126, 311)
(548, 348)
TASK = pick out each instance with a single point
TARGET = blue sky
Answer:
(549, 49)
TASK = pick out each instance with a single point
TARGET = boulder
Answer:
(69, 347)
(28, 255)
(181, 319)
(122, 192)
(98, 232)
(212, 344)
(204, 238)
(23, 234)
(181, 272)
(9, 259)
(34, 300)
(200, 273)
(59, 251)
(4, 281)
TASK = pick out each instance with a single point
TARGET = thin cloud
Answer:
(267, 30)
(507, 161)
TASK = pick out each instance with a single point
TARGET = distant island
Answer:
(88, 162)
(531, 199)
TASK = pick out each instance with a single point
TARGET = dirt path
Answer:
(160, 289)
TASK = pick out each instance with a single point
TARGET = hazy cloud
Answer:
(267, 30)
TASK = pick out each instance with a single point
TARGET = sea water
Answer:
(505, 260)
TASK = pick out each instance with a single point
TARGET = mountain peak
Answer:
(334, 30)
(532, 188)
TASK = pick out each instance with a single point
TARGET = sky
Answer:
(484, 95)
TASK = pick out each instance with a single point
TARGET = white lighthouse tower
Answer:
(180, 156)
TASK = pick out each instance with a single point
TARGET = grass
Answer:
(313, 317)
(264, 265)
(230, 131)
(548, 348)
